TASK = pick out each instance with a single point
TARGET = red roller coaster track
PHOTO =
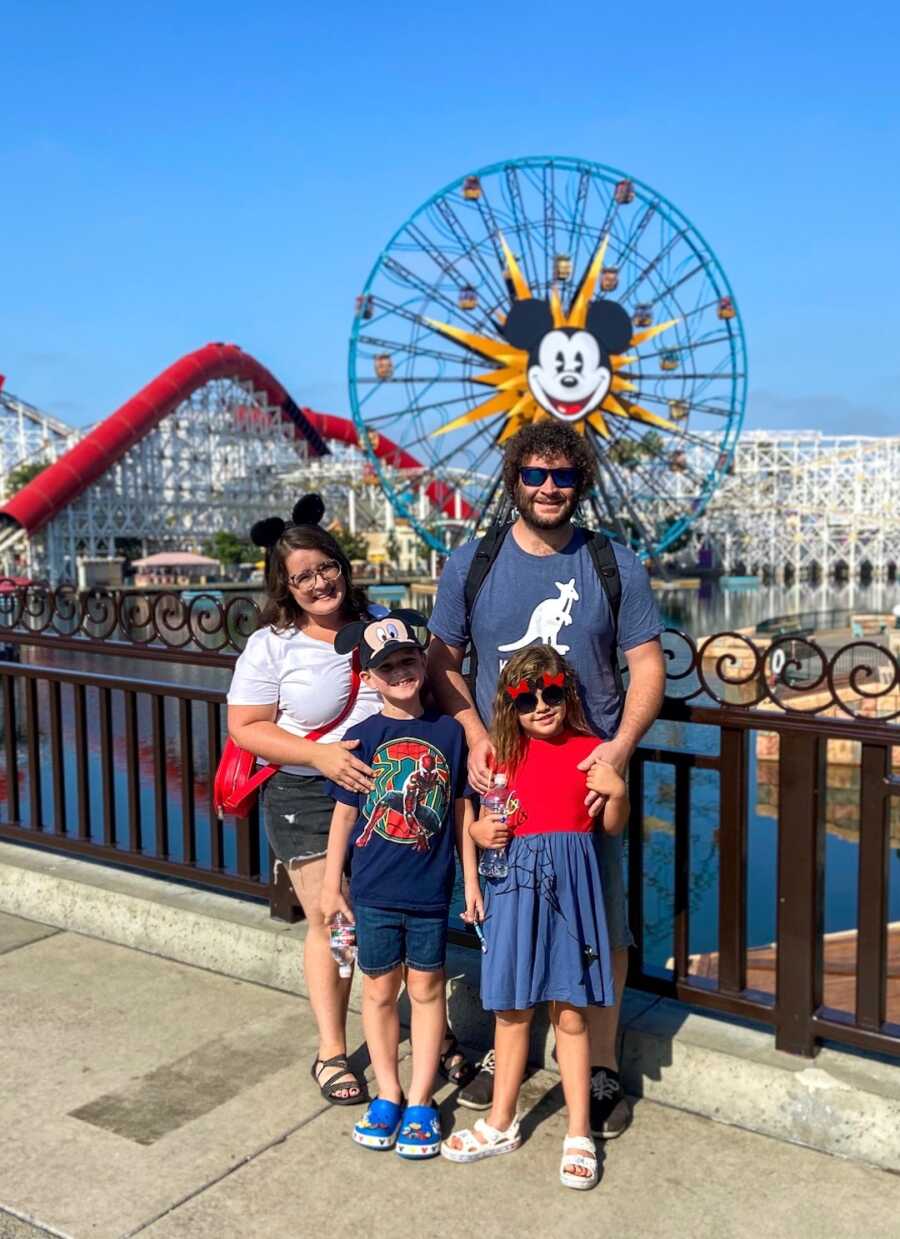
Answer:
(62, 482)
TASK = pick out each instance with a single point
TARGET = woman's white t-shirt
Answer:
(305, 678)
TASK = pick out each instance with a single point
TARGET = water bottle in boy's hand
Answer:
(495, 861)
(343, 943)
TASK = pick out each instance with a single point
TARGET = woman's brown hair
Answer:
(281, 609)
(530, 664)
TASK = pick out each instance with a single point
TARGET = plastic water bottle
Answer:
(343, 944)
(495, 861)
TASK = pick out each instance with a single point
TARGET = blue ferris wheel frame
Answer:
(704, 253)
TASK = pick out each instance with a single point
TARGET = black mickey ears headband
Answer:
(308, 510)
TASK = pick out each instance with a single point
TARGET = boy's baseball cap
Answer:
(377, 639)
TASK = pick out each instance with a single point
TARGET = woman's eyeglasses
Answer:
(527, 702)
(536, 475)
(328, 570)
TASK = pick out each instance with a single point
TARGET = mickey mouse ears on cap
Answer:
(377, 639)
(308, 510)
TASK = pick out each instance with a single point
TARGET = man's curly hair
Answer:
(548, 440)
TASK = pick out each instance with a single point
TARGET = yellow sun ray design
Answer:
(501, 403)
(519, 283)
(598, 421)
(643, 336)
(513, 400)
(578, 314)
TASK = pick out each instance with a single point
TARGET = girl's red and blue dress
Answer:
(544, 923)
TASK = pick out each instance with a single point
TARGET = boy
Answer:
(401, 836)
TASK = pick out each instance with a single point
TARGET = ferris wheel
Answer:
(548, 288)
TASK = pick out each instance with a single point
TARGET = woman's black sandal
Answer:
(459, 1072)
(332, 1087)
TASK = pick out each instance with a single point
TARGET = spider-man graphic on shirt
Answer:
(410, 796)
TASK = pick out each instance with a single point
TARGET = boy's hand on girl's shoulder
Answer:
(490, 831)
(332, 902)
(474, 905)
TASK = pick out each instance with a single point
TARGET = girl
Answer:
(544, 923)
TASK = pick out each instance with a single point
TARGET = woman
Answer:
(288, 682)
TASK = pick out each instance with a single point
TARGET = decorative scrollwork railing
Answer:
(205, 621)
(796, 675)
(792, 674)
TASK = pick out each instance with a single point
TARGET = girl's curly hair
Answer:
(507, 737)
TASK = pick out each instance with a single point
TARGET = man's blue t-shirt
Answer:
(403, 846)
(552, 600)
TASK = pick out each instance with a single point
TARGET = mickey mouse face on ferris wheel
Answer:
(569, 371)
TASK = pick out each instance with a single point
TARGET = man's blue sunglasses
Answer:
(536, 475)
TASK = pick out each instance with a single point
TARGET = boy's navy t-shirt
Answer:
(403, 846)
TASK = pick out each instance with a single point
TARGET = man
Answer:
(543, 587)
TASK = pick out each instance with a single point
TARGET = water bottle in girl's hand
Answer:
(343, 944)
(495, 861)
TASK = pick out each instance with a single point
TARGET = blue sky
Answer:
(178, 173)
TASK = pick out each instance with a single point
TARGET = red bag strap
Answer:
(256, 780)
(355, 679)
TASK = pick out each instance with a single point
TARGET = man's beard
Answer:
(544, 520)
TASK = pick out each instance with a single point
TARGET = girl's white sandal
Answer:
(473, 1150)
(579, 1151)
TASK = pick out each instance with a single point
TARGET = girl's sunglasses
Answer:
(525, 696)
(536, 475)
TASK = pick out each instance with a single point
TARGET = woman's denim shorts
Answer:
(388, 937)
(297, 815)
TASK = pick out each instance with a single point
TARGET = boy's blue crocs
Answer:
(420, 1132)
(378, 1127)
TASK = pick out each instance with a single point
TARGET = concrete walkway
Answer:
(146, 1097)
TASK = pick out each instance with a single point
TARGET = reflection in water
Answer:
(710, 609)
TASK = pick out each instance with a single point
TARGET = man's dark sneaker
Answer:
(610, 1109)
(480, 1093)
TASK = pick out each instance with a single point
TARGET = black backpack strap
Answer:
(487, 552)
(482, 562)
(606, 566)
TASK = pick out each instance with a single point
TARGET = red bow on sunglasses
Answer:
(515, 690)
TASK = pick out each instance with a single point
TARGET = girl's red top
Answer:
(550, 790)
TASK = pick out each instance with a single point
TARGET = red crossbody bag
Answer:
(238, 778)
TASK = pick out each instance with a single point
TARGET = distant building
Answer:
(409, 556)
(175, 568)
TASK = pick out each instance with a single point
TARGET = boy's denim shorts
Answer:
(388, 937)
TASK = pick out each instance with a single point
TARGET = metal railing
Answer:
(795, 1008)
(119, 769)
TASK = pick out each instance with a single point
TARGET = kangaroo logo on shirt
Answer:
(547, 619)
(411, 793)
